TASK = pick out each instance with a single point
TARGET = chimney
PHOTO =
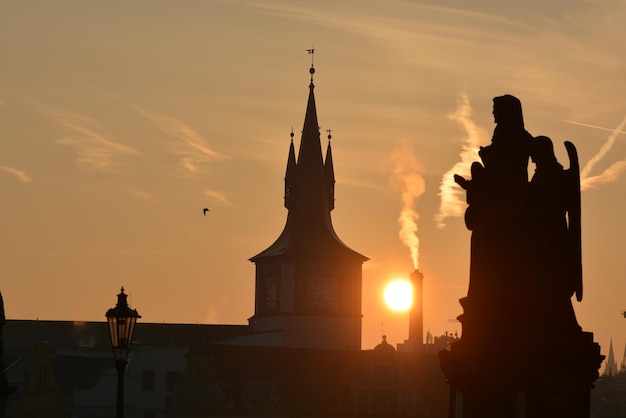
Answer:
(416, 318)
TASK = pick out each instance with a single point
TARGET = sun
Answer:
(399, 295)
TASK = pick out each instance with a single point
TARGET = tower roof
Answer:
(611, 365)
(309, 197)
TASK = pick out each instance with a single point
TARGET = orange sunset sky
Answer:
(120, 121)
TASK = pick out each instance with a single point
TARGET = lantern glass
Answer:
(121, 320)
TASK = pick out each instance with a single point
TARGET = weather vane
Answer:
(329, 135)
(312, 52)
(312, 69)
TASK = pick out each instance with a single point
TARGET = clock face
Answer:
(322, 295)
(271, 295)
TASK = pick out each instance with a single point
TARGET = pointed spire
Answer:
(310, 153)
(309, 197)
(290, 175)
(329, 175)
(611, 365)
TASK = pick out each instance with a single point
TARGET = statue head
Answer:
(507, 111)
(542, 151)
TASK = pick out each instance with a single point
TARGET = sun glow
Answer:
(399, 295)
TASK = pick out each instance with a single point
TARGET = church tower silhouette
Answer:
(308, 282)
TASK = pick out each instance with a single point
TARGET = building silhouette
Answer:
(308, 282)
(303, 355)
(300, 354)
(65, 368)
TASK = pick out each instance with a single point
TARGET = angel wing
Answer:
(574, 215)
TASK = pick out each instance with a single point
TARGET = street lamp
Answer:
(122, 320)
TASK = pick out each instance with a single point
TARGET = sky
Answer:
(120, 121)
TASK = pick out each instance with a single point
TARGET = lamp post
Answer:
(122, 320)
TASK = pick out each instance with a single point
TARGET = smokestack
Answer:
(416, 318)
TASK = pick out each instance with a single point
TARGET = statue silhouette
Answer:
(496, 217)
(554, 263)
(525, 266)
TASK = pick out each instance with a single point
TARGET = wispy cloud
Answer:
(452, 203)
(19, 174)
(610, 174)
(220, 197)
(91, 141)
(371, 16)
(594, 126)
(193, 150)
(140, 194)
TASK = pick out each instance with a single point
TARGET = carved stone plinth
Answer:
(505, 376)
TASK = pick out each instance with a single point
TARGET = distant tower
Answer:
(611, 365)
(308, 282)
(622, 368)
(415, 343)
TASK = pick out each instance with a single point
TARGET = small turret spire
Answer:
(611, 365)
(290, 174)
(329, 175)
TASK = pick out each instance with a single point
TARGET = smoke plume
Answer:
(407, 178)
(450, 194)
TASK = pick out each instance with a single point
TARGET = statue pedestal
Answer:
(521, 376)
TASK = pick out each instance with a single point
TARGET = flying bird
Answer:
(205, 210)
